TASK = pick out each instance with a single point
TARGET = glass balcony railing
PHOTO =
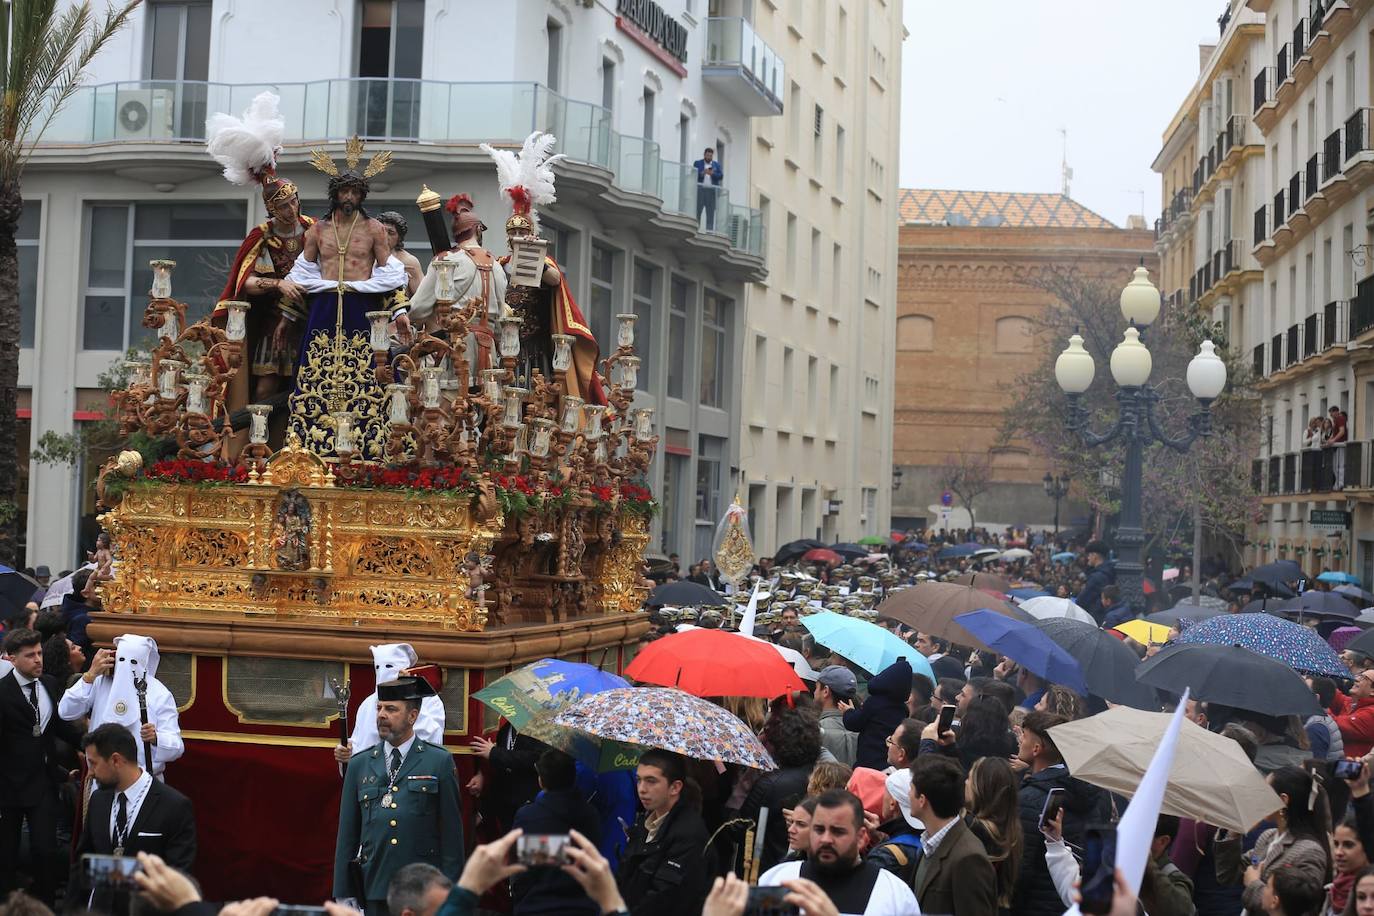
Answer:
(398, 111)
(731, 42)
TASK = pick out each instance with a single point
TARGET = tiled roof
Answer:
(1016, 210)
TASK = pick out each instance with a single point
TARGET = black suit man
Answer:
(131, 812)
(29, 773)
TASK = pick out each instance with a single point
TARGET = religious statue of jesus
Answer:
(347, 270)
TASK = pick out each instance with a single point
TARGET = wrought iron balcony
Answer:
(1263, 83)
(1290, 348)
(1331, 156)
(1257, 361)
(1357, 133)
(1276, 353)
(1362, 308)
(1261, 225)
(1310, 176)
(1281, 65)
(1333, 323)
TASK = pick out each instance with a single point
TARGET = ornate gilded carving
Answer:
(214, 547)
(297, 466)
(387, 556)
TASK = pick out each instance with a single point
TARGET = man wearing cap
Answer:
(399, 804)
(836, 684)
(109, 693)
(1102, 575)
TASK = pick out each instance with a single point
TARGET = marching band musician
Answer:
(390, 662)
(108, 692)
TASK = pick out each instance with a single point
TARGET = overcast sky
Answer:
(987, 85)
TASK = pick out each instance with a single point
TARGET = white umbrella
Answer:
(1017, 553)
(1048, 607)
(987, 552)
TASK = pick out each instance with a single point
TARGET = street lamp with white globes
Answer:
(1136, 424)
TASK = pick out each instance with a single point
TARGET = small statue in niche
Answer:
(291, 532)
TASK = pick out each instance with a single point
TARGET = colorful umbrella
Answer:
(714, 663)
(669, 719)
(822, 555)
(1108, 663)
(865, 644)
(1340, 578)
(529, 696)
(1049, 607)
(1230, 675)
(1294, 645)
(1143, 631)
(1025, 645)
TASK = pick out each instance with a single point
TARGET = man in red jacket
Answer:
(1357, 727)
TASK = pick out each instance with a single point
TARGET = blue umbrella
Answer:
(1339, 578)
(1027, 646)
(913, 545)
(1026, 594)
(958, 550)
(1067, 556)
(1282, 640)
(865, 644)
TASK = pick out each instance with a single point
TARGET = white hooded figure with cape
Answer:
(390, 662)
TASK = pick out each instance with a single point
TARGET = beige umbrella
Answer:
(988, 582)
(932, 606)
(1212, 780)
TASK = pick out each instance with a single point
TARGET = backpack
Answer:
(905, 853)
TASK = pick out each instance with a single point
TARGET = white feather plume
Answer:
(247, 146)
(531, 168)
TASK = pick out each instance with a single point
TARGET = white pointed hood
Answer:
(135, 657)
(390, 660)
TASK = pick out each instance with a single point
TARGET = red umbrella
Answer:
(822, 555)
(714, 663)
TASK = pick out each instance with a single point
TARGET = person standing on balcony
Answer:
(709, 176)
(1339, 436)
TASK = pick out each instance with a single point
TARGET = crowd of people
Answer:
(894, 792)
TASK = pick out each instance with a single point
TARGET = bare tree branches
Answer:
(967, 475)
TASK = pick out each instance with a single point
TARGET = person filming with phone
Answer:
(558, 809)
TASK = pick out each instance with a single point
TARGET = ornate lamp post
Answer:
(1056, 488)
(1136, 424)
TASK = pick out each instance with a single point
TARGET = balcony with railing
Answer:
(1281, 61)
(1262, 86)
(1362, 308)
(1311, 176)
(1276, 353)
(1311, 335)
(1257, 361)
(1280, 217)
(1261, 225)
(1329, 469)
(1356, 133)
(1333, 323)
(742, 67)
(396, 112)
(1296, 198)
(1315, 18)
(1331, 156)
(1291, 351)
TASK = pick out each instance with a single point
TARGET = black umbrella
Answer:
(1364, 643)
(1230, 675)
(1247, 584)
(849, 551)
(1108, 663)
(1355, 593)
(685, 594)
(1185, 610)
(16, 591)
(1328, 603)
(793, 550)
(1277, 573)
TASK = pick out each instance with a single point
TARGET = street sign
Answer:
(1329, 518)
(947, 498)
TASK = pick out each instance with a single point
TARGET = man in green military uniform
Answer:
(399, 804)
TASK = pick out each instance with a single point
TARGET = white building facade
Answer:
(633, 89)
(816, 428)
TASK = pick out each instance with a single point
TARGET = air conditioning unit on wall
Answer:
(145, 114)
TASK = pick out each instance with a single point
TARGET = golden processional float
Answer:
(499, 518)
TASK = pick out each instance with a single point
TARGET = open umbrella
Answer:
(1277, 590)
(865, 644)
(1279, 572)
(987, 553)
(1025, 594)
(932, 606)
(822, 555)
(874, 540)
(1108, 664)
(1230, 675)
(1356, 594)
(1025, 645)
(1017, 553)
(1065, 557)
(1338, 578)
(685, 594)
(915, 546)
(16, 590)
(1315, 602)
(1144, 632)
(529, 696)
(1364, 643)
(988, 582)
(955, 551)
(1049, 607)
(791, 656)
(714, 663)
(1294, 645)
(1186, 610)
(1341, 637)
(670, 719)
(850, 551)
(794, 549)
(1212, 780)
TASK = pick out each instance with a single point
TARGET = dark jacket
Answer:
(76, 614)
(775, 791)
(1090, 598)
(1118, 615)
(958, 878)
(882, 712)
(668, 876)
(165, 826)
(29, 766)
(511, 781)
(550, 890)
(1083, 804)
